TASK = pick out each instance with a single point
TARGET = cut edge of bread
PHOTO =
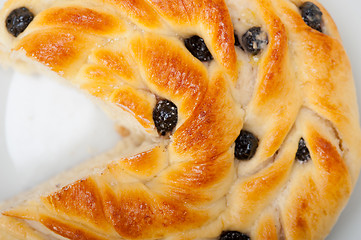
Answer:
(17, 60)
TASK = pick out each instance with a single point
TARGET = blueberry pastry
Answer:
(247, 109)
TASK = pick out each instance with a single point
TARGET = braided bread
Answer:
(248, 108)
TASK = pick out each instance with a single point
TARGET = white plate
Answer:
(90, 121)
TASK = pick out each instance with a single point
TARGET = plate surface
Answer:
(33, 111)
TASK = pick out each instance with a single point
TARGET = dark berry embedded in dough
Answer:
(312, 15)
(246, 145)
(18, 20)
(236, 41)
(233, 235)
(198, 48)
(303, 154)
(165, 116)
(254, 40)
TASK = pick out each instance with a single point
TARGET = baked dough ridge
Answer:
(128, 54)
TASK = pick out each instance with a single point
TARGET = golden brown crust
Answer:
(144, 165)
(212, 15)
(153, 216)
(84, 19)
(56, 48)
(139, 11)
(101, 204)
(266, 228)
(273, 84)
(329, 179)
(69, 231)
(171, 71)
(129, 54)
(137, 103)
(193, 139)
(117, 62)
(80, 200)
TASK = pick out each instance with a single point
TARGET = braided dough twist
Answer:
(129, 53)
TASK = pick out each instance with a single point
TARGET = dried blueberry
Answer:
(233, 235)
(165, 116)
(246, 145)
(18, 20)
(198, 48)
(236, 41)
(303, 154)
(312, 15)
(254, 40)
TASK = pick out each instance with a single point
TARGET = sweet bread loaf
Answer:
(248, 108)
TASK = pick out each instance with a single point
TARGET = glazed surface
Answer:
(188, 185)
